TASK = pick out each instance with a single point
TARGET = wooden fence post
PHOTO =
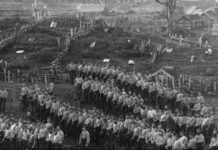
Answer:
(5, 74)
(9, 75)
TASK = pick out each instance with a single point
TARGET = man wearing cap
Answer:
(84, 138)
(200, 141)
(160, 141)
(192, 142)
(214, 141)
(170, 140)
(181, 143)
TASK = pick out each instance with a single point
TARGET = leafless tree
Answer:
(170, 6)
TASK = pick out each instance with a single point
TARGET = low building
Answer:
(193, 21)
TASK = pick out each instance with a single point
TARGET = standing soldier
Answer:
(4, 97)
(84, 138)
(78, 84)
(24, 92)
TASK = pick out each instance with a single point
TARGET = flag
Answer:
(53, 24)
(92, 44)
(138, 30)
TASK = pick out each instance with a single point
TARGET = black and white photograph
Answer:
(108, 74)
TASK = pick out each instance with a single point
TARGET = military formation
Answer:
(186, 115)
(122, 111)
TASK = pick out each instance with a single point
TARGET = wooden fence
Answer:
(203, 84)
(32, 78)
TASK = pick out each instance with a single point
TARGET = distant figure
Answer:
(84, 138)
(4, 97)
(24, 92)
(50, 88)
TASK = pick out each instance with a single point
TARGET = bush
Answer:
(43, 56)
(23, 65)
(132, 54)
(93, 55)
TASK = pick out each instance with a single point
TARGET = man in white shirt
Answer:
(84, 138)
(181, 143)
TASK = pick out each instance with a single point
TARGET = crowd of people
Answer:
(117, 92)
(126, 111)
(23, 134)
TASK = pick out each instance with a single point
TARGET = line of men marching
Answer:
(80, 75)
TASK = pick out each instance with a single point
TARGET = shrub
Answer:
(43, 56)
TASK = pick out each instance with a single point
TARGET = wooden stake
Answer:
(189, 82)
(9, 75)
(205, 85)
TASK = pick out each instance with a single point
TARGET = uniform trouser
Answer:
(152, 98)
(190, 129)
(160, 102)
(75, 129)
(49, 145)
(85, 96)
(24, 97)
(6, 145)
(83, 144)
(213, 148)
(57, 146)
(1, 135)
(199, 146)
(171, 102)
(109, 105)
(64, 125)
(23, 144)
(170, 148)
(1, 105)
(102, 136)
(96, 134)
(161, 147)
(42, 144)
(141, 144)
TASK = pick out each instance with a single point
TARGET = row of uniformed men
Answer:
(154, 92)
(182, 101)
(30, 93)
(23, 134)
(198, 121)
(129, 132)
(137, 82)
(3, 98)
(204, 120)
(111, 99)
